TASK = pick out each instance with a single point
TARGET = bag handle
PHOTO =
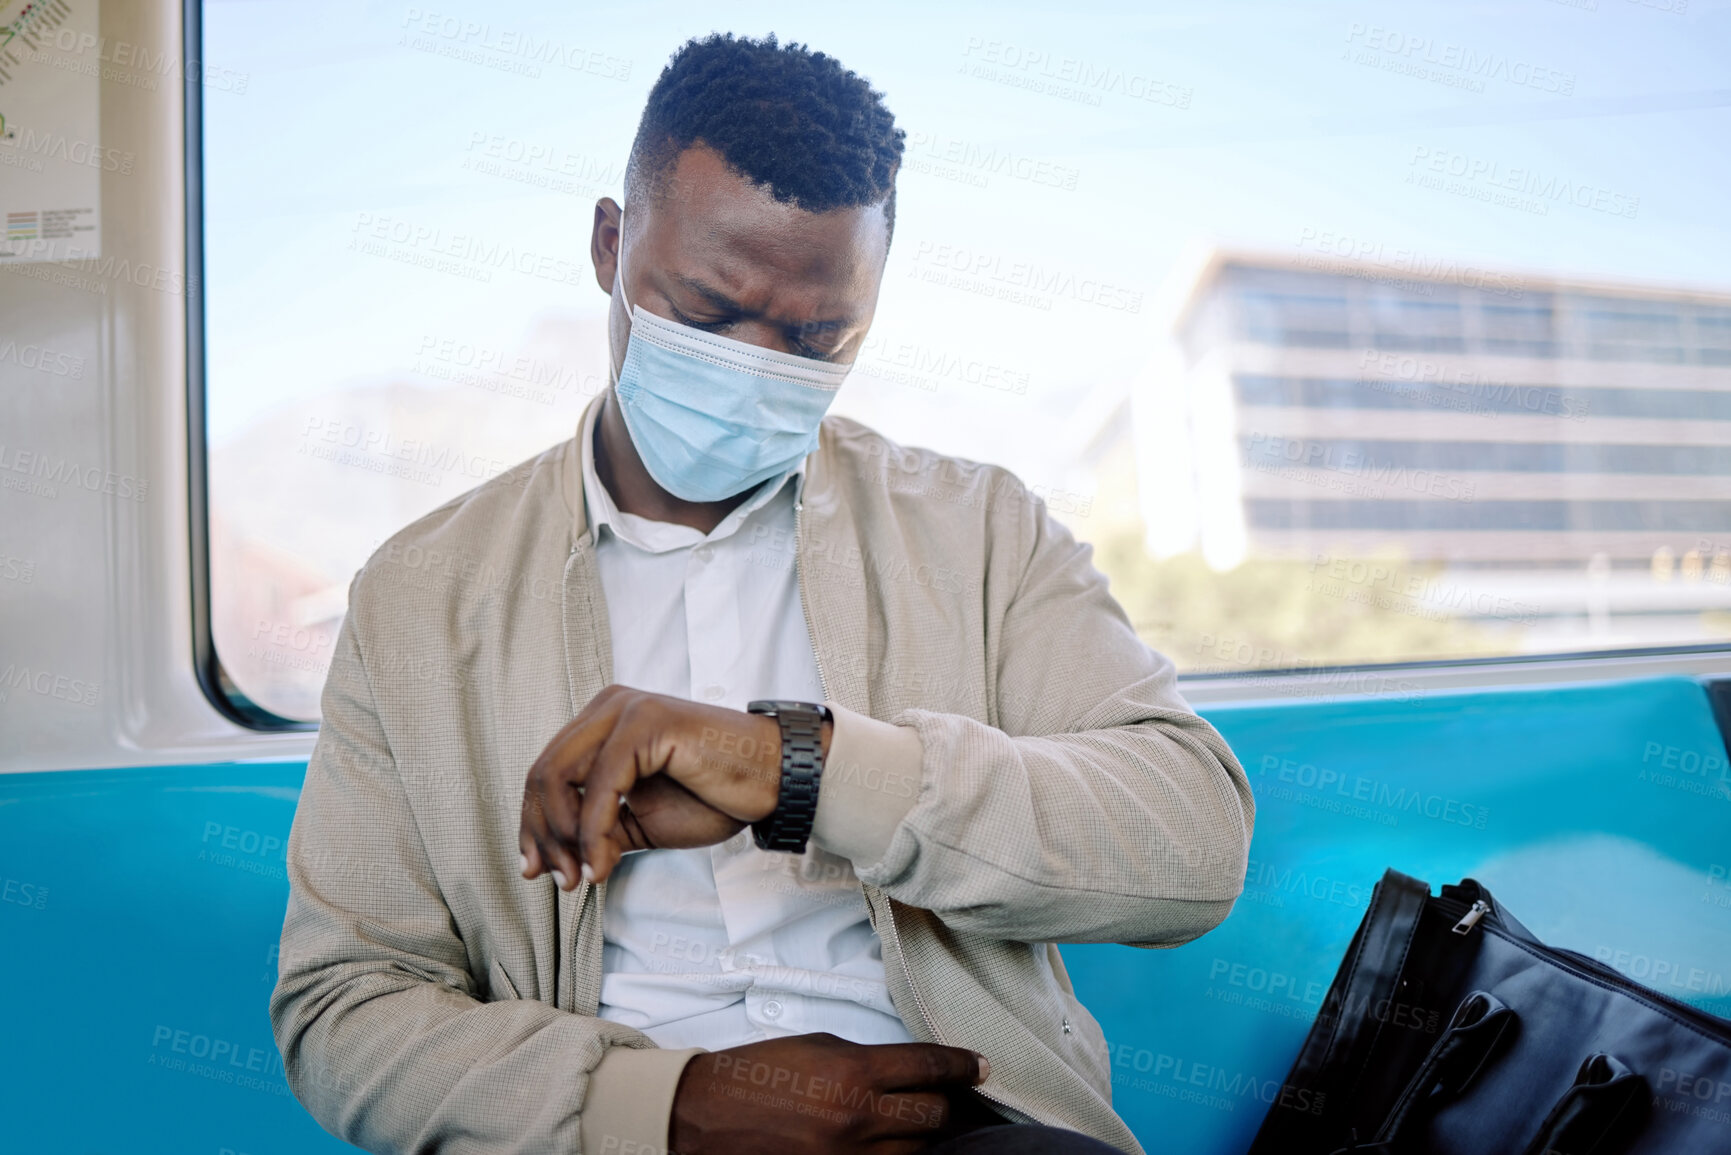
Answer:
(1475, 1034)
(1332, 1060)
(1599, 1114)
(1374, 966)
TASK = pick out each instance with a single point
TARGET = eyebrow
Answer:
(720, 300)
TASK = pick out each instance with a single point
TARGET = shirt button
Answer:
(704, 553)
(772, 1010)
(713, 693)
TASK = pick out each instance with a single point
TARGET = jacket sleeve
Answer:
(375, 1011)
(1100, 808)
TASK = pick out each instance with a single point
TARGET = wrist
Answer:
(767, 773)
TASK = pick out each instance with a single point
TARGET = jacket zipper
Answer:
(889, 915)
(920, 1002)
(804, 605)
(585, 890)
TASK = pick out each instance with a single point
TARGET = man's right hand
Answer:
(819, 1093)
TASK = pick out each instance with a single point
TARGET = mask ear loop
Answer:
(619, 275)
(619, 266)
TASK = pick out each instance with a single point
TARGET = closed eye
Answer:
(796, 343)
(825, 332)
(705, 326)
(807, 350)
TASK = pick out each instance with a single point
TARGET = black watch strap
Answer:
(789, 825)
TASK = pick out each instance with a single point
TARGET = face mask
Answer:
(711, 416)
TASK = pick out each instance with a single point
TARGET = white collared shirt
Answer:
(727, 944)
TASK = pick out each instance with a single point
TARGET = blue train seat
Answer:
(140, 908)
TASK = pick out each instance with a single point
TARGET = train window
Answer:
(1345, 334)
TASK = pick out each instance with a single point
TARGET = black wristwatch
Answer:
(789, 825)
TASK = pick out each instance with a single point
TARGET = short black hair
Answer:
(795, 121)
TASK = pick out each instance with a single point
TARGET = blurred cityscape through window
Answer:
(1345, 335)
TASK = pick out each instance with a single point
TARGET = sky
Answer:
(1089, 146)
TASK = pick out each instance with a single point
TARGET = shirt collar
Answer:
(662, 536)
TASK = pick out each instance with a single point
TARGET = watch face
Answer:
(777, 707)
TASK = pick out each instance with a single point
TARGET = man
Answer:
(602, 957)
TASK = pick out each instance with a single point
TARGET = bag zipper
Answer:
(889, 914)
(1590, 969)
(1471, 918)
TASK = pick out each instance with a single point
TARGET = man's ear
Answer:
(604, 243)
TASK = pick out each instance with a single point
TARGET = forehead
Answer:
(708, 221)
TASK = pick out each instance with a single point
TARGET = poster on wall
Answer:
(51, 154)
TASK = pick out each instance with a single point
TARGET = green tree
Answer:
(1272, 614)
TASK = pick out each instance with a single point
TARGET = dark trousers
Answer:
(1022, 1139)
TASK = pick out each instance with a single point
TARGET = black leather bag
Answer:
(1451, 1029)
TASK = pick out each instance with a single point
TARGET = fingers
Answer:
(548, 829)
(531, 830)
(911, 1113)
(818, 1092)
(560, 808)
(659, 812)
(566, 866)
(572, 749)
(632, 832)
(551, 855)
(908, 1066)
(541, 849)
(601, 841)
(571, 822)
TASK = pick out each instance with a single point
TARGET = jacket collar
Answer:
(572, 487)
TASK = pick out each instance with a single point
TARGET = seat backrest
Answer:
(140, 909)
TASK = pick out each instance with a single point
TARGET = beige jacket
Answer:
(1010, 768)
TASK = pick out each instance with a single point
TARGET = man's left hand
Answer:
(687, 775)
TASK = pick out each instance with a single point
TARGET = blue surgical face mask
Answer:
(711, 416)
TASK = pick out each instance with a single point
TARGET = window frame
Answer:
(1708, 662)
(220, 690)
